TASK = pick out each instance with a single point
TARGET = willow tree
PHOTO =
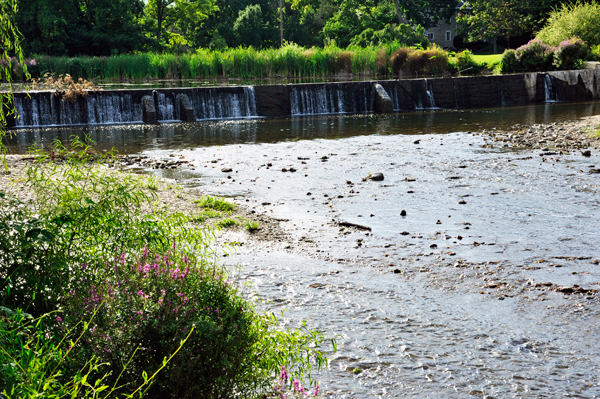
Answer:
(10, 55)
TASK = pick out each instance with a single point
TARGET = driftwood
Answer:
(356, 226)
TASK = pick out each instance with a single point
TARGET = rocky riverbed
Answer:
(471, 268)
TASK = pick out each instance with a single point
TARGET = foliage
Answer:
(248, 28)
(509, 62)
(570, 54)
(35, 364)
(82, 212)
(402, 34)
(465, 62)
(353, 17)
(579, 19)
(537, 56)
(417, 62)
(99, 27)
(11, 56)
(228, 222)
(216, 203)
(150, 303)
(251, 226)
(486, 19)
(170, 20)
(290, 60)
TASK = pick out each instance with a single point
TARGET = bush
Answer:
(570, 20)
(509, 62)
(570, 54)
(466, 63)
(411, 61)
(149, 303)
(398, 60)
(535, 56)
(427, 62)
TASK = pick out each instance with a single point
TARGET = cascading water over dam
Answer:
(39, 109)
(126, 106)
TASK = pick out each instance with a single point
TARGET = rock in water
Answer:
(186, 110)
(383, 102)
(149, 114)
(376, 177)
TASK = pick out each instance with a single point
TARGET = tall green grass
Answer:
(288, 61)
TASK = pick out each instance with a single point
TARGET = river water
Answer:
(456, 298)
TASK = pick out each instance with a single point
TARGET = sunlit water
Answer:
(433, 329)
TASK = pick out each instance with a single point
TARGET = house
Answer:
(444, 32)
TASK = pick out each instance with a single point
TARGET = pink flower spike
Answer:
(59, 319)
(316, 392)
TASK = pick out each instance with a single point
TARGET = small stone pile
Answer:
(558, 136)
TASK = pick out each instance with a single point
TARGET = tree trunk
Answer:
(495, 45)
(159, 18)
(281, 22)
(401, 19)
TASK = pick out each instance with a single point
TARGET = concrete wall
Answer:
(407, 94)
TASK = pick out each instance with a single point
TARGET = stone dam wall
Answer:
(44, 108)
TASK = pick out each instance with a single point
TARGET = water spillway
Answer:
(39, 109)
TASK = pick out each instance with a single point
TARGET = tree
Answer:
(177, 17)
(10, 55)
(489, 19)
(354, 16)
(74, 27)
(249, 26)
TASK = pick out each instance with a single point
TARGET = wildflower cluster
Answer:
(282, 388)
(148, 303)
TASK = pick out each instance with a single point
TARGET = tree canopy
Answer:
(105, 27)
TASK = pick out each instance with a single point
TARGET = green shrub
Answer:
(81, 209)
(466, 63)
(570, 20)
(251, 226)
(570, 54)
(509, 62)
(535, 56)
(137, 309)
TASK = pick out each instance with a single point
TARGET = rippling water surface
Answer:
(447, 301)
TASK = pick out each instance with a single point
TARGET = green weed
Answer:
(251, 226)
(227, 223)
(204, 215)
(217, 203)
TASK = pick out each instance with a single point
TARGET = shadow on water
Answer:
(136, 138)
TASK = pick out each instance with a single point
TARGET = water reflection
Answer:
(136, 138)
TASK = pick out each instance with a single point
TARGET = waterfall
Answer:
(321, 99)
(224, 103)
(550, 94)
(430, 99)
(165, 106)
(47, 109)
